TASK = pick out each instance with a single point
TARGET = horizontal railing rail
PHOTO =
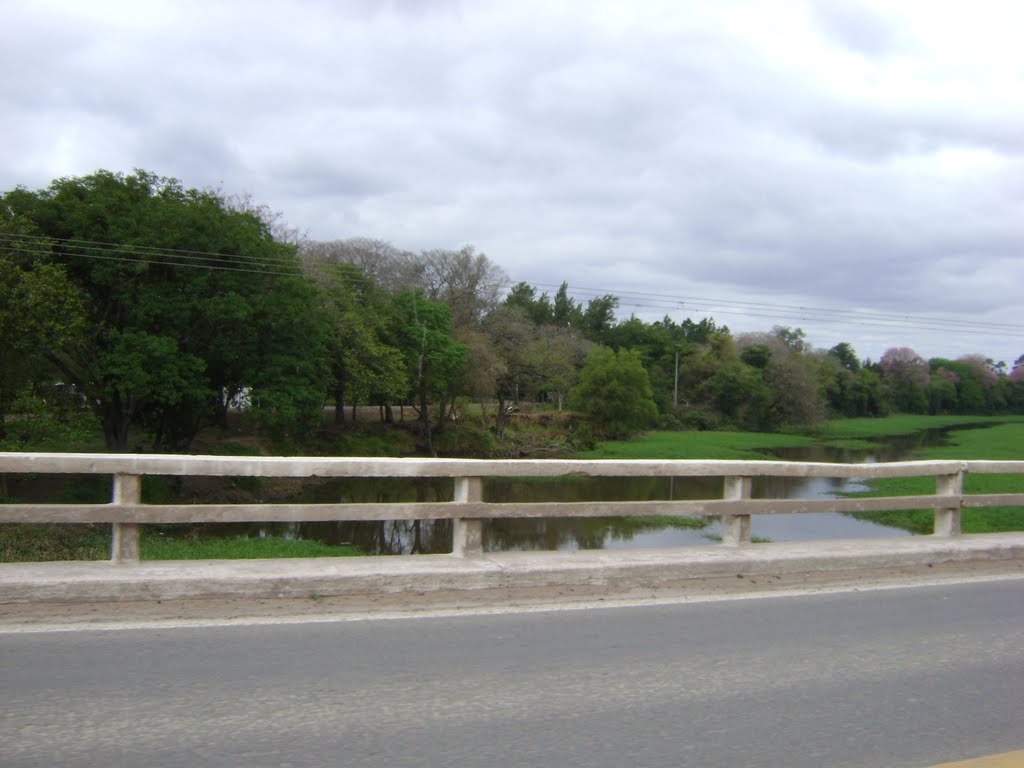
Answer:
(126, 511)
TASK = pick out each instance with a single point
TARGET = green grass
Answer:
(1003, 440)
(32, 543)
(1000, 442)
(902, 424)
(695, 445)
(156, 546)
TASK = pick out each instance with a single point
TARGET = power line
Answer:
(125, 260)
(81, 247)
(658, 301)
(284, 266)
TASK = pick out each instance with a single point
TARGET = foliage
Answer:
(39, 309)
(422, 330)
(48, 419)
(614, 393)
(188, 298)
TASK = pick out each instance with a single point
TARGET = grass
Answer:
(31, 543)
(901, 424)
(1000, 442)
(1004, 439)
(155, 546)
(36, 543)
(695, 445)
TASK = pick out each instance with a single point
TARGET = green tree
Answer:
(566, 311)
(614, 393)
(741, 395)
(185, 296)
(538, 308)
(422, 330)
(363, 366)
(512, 335)
(39, 309)
(847, 358)
(599, 317)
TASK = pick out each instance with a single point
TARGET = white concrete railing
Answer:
(126, 510)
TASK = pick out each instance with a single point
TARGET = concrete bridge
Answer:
(468, 569)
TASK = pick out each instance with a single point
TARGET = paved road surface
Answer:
(908, 677)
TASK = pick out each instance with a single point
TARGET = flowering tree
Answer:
(906, 378)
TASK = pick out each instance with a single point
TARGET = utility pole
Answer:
(675, 390)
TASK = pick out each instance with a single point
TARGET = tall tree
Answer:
(422, 330)
(39, 309)
(467, 281)
(167, 274)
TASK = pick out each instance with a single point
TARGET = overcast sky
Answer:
(855, 168)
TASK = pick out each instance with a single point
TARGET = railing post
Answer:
(736, 528)
(124, 540)
(468, 533)
(947, 516)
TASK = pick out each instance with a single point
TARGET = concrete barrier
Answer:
(126, 511)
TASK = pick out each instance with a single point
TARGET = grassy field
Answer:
(1003, 438)
(696, 445)
(902, 424)
(1002, 441)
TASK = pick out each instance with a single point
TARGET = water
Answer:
(416, 537)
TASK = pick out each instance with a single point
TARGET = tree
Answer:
(185, 295)
(566, 311)
(906, 378)
(795, 396)
(467, 281)
(556, 354)
(741, 395)
(599, 316)
(422, 330)
(363, 365)
(794, 338)
(847, 358)
(511, 333)
(538, 309)
(39, 309)
(614, 392)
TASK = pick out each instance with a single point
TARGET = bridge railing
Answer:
(126, 511)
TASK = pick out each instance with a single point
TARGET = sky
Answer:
(852, 168)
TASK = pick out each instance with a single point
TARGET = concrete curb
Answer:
(611, 571)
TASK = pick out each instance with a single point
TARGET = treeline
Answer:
(161, 308)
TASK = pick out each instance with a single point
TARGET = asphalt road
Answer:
(908, 677)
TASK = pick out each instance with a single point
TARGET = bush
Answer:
(615, 393)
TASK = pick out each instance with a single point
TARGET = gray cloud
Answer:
(822, 154)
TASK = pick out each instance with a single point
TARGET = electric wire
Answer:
(286, 266)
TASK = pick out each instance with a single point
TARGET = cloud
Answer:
(860, 155)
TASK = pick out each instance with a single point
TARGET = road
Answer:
(904, 677)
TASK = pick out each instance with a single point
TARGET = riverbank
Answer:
(1002, 441)
(966, 437)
